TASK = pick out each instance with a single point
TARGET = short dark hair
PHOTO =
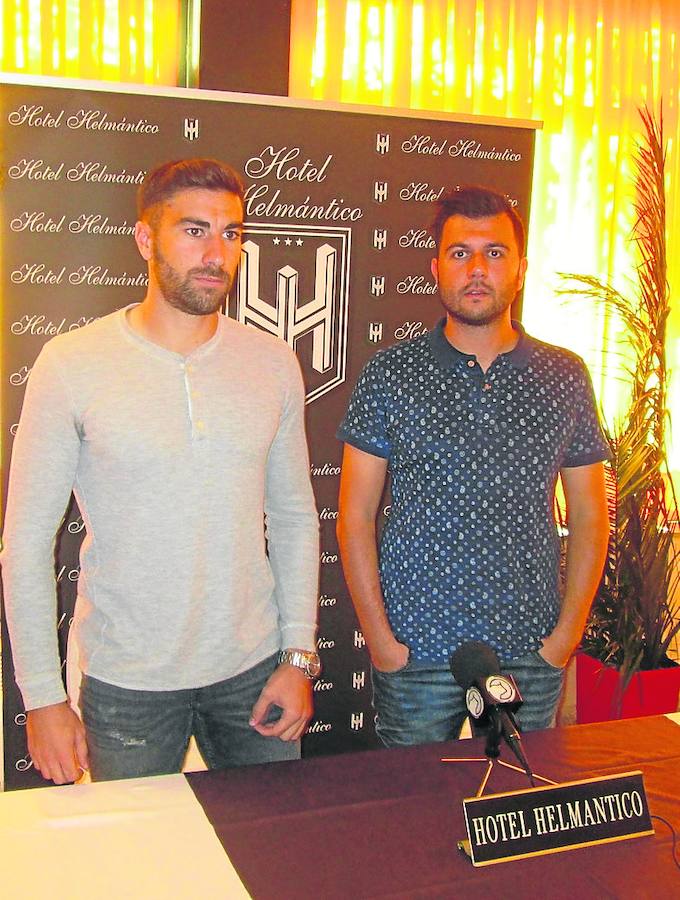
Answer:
(476, 202)
(167, 179)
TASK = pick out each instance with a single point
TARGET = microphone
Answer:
(491, 697)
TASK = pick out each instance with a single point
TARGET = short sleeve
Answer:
(588, 444)
(365, 425)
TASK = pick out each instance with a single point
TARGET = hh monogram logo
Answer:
(379, 238)
(356, 721)
(382, 143)
(380, 191)
(378, 285)
(375, 332)
(359, 639)
(191, 129)
(293, 282)
(359, 680)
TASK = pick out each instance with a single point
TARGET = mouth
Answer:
(209, 279)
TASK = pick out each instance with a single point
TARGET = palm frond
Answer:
(632, 620)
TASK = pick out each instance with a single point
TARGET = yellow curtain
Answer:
(105, 40)
(583, 68)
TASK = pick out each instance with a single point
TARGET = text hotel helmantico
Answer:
(335, 261)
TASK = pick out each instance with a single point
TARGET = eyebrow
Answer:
(200, 223)
(488, 245)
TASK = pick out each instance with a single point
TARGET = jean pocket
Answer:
(548, 665)
(394, 672)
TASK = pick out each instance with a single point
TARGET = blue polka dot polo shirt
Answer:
(470, 550)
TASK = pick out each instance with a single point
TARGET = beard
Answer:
(485, 310)
(181, 293)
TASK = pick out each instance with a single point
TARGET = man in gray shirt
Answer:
(180, 432)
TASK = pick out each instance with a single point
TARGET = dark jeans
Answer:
(420, 703)
(135, 733)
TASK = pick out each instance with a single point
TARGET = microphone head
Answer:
(473, 660)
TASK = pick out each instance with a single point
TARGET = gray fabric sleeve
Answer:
(44, 461)
(291, 520)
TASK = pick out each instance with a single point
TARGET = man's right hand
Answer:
(56, 742)
(392, 660)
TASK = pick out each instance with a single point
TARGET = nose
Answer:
(477, 264)
(214, 251)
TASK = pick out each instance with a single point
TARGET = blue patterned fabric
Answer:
(470, 550)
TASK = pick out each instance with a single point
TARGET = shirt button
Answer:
(471, 363)
(200, 425)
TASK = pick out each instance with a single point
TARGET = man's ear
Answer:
(144, 239)
(521, 272)
(434, 268)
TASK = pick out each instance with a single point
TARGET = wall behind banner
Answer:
(346, 194)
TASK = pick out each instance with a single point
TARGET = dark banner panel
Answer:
(336, 261)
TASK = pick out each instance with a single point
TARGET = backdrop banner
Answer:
(336, 261)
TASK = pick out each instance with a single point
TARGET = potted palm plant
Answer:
(624, 668)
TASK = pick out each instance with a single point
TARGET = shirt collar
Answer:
(161, 352)
(448, 356)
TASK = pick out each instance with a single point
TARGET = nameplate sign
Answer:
(502, 827)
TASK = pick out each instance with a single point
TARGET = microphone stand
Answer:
(492, 756)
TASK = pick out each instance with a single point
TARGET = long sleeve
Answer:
(44, 461)
(292, 523)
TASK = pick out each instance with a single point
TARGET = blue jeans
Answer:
(422, 703)
(134, 733)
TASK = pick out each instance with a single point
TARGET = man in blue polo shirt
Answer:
(475, 421)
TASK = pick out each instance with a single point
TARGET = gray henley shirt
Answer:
(192, 476)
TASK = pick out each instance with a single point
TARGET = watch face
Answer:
(501, 689)
(314, 666)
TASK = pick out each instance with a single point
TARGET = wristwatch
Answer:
(307, 660)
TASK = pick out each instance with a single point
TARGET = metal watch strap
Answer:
(306, 660)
